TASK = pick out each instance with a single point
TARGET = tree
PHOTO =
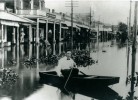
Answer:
(122, 27)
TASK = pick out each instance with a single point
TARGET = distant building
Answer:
(24, 4)
(50, 25)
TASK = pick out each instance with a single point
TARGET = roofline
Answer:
(29, 21)
(15, 21)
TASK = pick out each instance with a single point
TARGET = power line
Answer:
(71, 4)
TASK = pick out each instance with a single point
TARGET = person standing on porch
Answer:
(22, 35)
(13, 36)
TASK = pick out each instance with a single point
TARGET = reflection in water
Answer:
(45, 93)
(60, 45)
(22, 51)
(112, 63)
(54, 51)
(5, 98)
(53, 93)
(18, 60)
(37, 58)
(13, 52)
(30, 51)
(2, 57)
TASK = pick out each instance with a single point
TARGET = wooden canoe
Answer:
(80, 80)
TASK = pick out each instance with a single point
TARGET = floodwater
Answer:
(111, 62)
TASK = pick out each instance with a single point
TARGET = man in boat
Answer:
(67, 66)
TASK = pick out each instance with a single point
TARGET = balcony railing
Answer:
(31, 12)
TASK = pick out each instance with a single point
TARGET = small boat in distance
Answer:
(85, 81)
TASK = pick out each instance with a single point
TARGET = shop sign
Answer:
(51, 15)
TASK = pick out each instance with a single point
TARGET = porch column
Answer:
(2, 57)
(5, 34)
(40, 5)
(18, 36)
(32, 6)
(21, 6)
(54, 49)
(59, 48)
(103, 36)
(13, 52)
(2, 32)
(46, 52)
(17, 53)
(37, 58)
(30, 33)
(37, 31)
(60, 31)
(54, 32)
(97, 39)
(47, 30)
(30, 51)
(13, 36)
(37, 52)
(107, 35)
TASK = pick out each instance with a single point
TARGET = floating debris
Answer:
(7, 78)
(12, 62)
(103, 50)
(48, 60)
(82, 58)
(94, 51)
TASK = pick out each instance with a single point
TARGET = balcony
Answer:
(32, 12)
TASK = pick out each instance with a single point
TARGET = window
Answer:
(36, 4)
(27, 4)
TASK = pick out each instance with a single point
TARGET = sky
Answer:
(107, 11)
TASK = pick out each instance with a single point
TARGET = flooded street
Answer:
(111, 62)
(68, 50)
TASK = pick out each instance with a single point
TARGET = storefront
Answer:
(10, 28)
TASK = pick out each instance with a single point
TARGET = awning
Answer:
(9, 23)
(108, 29)
(13, 17)
(42, 21)
(64, 26)
(94, 29)
(83, 26)
(69, 24)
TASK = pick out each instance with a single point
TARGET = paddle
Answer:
(68, 78)
(67, 81)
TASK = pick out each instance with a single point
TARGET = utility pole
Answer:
(128, 48)
(71, 4)
(129, 29)
(134, 52)
(103, 32)
(98, 31)
(128, 36)
(72, 20)
(90, 18)
(15, 6)
(89, 32)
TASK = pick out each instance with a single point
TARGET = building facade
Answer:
(49, 25)
(10, 26)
